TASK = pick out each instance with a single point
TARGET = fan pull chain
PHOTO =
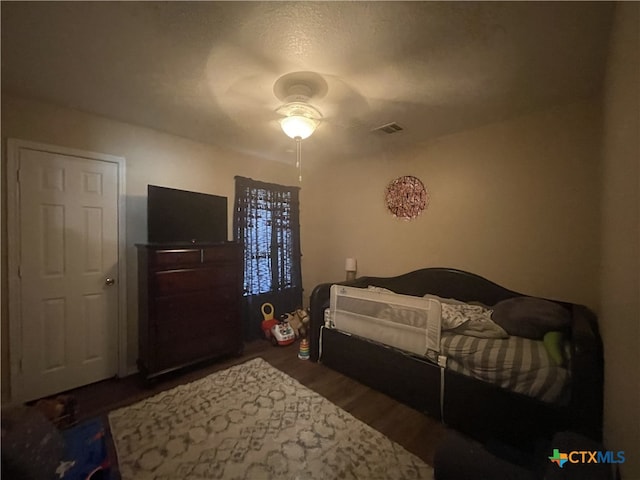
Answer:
(299, 157)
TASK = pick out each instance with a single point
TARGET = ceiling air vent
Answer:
(389, 128)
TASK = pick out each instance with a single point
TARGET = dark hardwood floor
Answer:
(413, 430)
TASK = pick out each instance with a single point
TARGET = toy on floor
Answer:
(85, 456)
(269, 321)
(303, 354)
(280, 333)
(299, 321)
(61, 410)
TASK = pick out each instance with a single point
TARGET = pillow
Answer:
(553, 342)
(481, 328)
(471, 320)
(454, 301)
(530, 317)
(447, 301)
(454, 315)
(373, 288)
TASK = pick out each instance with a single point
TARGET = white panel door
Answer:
(68, 268)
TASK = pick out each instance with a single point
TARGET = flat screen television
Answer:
(180, 216)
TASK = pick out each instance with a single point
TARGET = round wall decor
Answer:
(406, 197)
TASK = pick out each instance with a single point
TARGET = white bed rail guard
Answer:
(402, 321)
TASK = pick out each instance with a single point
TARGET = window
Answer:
(266, 222)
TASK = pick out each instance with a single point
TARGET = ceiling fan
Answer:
(300, 102)
(298, 91)
(299, 118)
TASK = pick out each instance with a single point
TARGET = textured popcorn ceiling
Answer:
(206, 70)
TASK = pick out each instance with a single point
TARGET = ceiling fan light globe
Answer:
(298, 126)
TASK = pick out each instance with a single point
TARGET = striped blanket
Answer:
(515, 363)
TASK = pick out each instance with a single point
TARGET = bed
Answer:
(431, 368)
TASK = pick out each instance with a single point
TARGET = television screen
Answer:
(180, 216)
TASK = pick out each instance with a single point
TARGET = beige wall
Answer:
(516, 202)
(620, 266)
(151, 157)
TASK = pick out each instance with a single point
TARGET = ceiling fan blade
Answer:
(343, 105)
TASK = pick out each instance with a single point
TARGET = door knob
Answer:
(109, 281)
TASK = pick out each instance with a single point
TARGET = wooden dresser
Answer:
(189, 303)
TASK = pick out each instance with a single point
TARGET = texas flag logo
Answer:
(559, 458)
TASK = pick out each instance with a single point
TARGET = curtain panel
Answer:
(266, 222)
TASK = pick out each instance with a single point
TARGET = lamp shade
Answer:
(298, 126)
(299, 119)
(350, 265)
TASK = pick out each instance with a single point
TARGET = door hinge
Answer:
(19, 271)
(20, 366)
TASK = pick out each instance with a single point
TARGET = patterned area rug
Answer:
(252, 421)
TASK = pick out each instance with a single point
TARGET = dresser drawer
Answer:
(164, 259)
(188, 308)
(173, 282)
(187, 328)
(206, 303)
(227, 253)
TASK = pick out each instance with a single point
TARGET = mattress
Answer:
(516, 363)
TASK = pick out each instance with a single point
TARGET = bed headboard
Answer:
(444, 282)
